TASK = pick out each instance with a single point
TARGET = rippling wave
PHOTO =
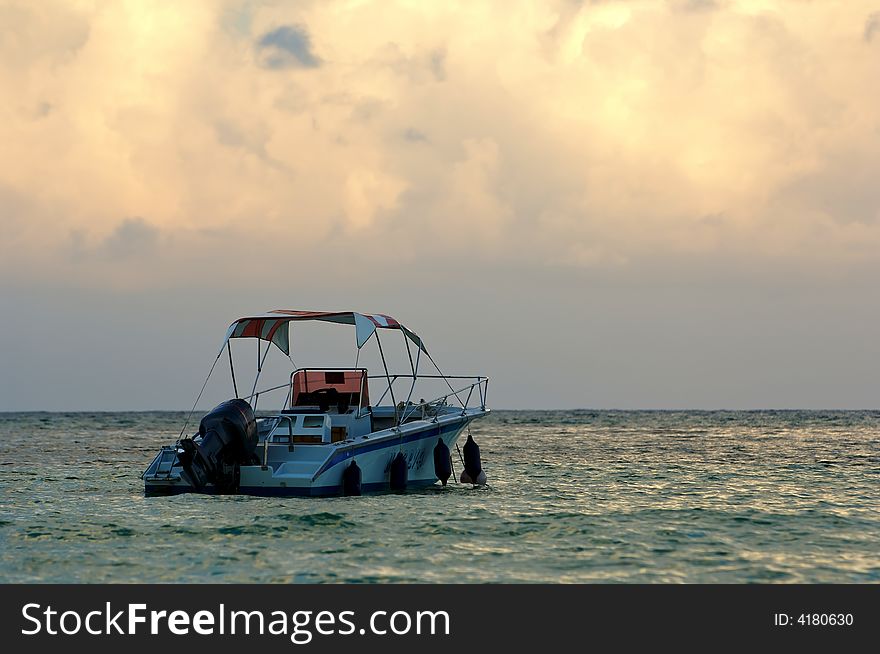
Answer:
(573, 496)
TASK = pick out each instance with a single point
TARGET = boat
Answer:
(328, 437)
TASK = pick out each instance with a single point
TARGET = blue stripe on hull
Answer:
(356, 450)
(329, 491)
(286, 491)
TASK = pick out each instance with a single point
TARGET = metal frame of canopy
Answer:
(274, 328)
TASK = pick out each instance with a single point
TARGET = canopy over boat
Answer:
(275, 326)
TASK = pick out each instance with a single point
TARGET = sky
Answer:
(605, 204)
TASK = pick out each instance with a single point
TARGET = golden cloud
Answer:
(586, 135)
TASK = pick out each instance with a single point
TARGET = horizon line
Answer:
(492, 409)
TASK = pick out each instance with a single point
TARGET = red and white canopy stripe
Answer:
(273, 326)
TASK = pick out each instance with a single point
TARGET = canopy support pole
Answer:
(387, 375)
(415, 369)
(231, 367)
(260, 363)
(408, 352)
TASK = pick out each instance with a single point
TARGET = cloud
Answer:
(132, 237)
(590, 135)
(872, 26)
(438, 64)
(413, 135)
(288, 46)
(251, 138)
(697, 5)
(416, 65)
(367, 194)
(41, 33)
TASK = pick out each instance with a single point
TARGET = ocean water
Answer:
(573, 496)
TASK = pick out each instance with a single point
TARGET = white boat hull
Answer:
(317, 470)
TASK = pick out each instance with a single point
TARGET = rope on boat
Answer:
(460, 458)
(454, 392)
(199, 396)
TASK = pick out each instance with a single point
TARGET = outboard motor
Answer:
(442, 461)
(399, 472)
(229, 437)
(351, 479)
(473, 468)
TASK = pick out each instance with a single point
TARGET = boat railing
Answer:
(271, 431)
(476, 390)
(407, 409)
